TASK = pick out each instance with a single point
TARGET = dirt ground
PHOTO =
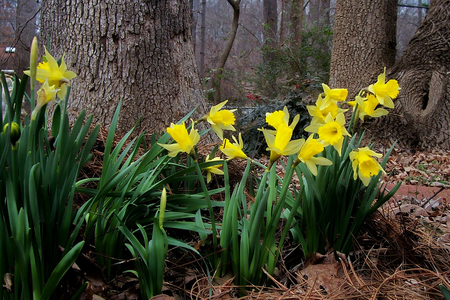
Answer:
(421, 191)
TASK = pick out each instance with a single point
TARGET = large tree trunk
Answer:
(139, 52)
(202, 39)
(194, 5)
(422, 114)
(363, 42)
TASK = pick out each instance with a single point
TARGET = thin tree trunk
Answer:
(26, 12)
(283, 16)
(297, 23)
(217, 76)
(319, 14)
(270, 28)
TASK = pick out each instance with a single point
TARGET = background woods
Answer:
(163, 58)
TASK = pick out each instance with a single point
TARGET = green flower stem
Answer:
(271, 225)
(352, 125)
(293, 212)
(260, 193)
(263, 166)
(211, 212)
(272, 192)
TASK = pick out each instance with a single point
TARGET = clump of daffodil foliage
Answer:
(123, 215)
(340, 180)
(38, 230)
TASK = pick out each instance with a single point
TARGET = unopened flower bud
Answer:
(15, 132)
(162, 208)
(33, 61)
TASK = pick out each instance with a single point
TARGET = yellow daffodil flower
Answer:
(319, 114)
(280, 143)
(45, 94)
(332, 132)
(280, 117)
(368, 107)
(275, 118)
(184, 141)
(212, 169)
(233, 150)
(385, 92)
(332, 95)
(57, 75)
(308, 150)
(220, 119)
(364, 165)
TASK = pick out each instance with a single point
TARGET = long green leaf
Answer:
(445, 292)
(61, 269)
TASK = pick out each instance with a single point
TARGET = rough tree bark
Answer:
(421, 117)
(364, 42)
(202, 39)
(139, 51)
(217, 74)
(194, 5)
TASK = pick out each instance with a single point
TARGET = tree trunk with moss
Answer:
(421, 117)
(139, 52)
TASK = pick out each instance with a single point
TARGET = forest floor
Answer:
(402, 252)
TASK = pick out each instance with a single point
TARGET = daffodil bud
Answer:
(162, 207)
(33, 61)
(15, 132)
